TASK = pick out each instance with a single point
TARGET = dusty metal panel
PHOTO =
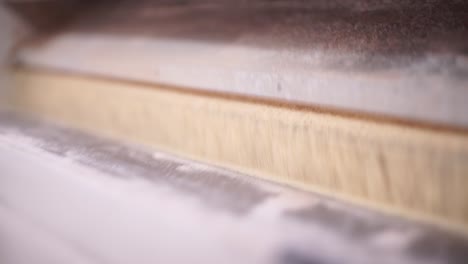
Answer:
(402, 59)
(46, 15)
(90, 199)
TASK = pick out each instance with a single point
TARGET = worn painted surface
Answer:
(400, 59)
(70, 197)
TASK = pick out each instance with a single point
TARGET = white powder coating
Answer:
(110, 220)
(55, 210)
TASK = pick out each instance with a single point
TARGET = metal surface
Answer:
(400, 59)
(68, 197)
(10, 30)
(46, 15)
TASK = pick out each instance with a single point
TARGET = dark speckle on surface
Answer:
(362, 34)
(294, 257)
(435, 245)
(358, 227)
(425, 245)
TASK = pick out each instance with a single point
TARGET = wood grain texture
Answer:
(409, 170)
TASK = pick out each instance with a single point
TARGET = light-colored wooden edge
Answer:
(412, 171)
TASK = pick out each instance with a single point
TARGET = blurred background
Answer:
(215, 131)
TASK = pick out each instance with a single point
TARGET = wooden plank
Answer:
(412, 170)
